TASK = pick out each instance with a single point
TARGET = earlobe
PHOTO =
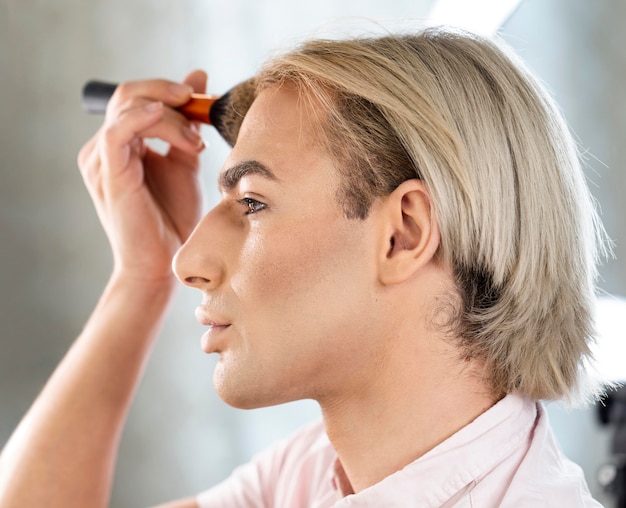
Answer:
(410, 232)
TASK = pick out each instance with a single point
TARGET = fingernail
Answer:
(192, 136)
(180, 89)
(195, 127)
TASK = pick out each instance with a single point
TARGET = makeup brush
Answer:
(225, 112)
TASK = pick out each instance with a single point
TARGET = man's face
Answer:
(288, 282)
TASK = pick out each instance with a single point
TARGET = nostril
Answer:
(196, 280)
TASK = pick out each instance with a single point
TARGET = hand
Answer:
(147, 203)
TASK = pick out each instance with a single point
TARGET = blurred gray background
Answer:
(54, 259)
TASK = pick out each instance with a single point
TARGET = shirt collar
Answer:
(464, 458)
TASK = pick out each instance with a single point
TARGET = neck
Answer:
(406, 411)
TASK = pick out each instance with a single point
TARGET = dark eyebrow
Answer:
(229, 179)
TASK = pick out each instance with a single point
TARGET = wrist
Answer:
(131, 304)
(155, 287)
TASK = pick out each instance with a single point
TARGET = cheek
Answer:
(280, 266)
(313, 277)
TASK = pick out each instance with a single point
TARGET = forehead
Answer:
(282, 132)
(284, 111)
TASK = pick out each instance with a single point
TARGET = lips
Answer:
(211, 341)
(206, 317)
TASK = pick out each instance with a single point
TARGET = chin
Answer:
(246, 394)
(248, 399)
(238, 393)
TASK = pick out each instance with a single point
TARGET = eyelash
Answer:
(252, 205)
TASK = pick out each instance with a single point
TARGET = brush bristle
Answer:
(228, 111)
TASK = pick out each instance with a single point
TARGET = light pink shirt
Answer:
(507, 457)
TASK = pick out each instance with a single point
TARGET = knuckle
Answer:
(83, 156)
(89, 163)
(91, 176)
(86, 156)
(122, 100)
(109, 133)
(122, 93)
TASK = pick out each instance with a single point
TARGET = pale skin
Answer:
(299, 301)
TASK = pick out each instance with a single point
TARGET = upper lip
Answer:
(207, 318)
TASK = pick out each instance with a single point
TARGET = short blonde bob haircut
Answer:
(518, 225)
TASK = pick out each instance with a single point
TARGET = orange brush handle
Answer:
(198, 107)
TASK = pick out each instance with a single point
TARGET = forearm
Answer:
(63, 452)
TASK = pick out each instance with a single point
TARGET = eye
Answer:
(252, 205)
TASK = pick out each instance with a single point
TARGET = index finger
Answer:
(157, 90)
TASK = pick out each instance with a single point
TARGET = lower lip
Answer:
(210, 338)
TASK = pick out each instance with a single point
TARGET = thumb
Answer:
(197, 80)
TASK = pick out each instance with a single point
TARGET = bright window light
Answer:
(479, 16)
(610, 350)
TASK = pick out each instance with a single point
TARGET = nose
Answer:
(197, 263)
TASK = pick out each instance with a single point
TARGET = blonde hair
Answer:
(518, 225)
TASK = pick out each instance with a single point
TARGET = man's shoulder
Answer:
(547, 475)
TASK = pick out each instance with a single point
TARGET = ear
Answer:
(410, 232)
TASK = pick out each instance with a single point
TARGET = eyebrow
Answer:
(231, 176)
